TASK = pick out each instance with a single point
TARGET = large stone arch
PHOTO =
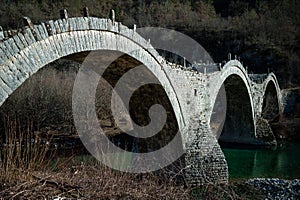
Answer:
(234, 84)
(38, 45)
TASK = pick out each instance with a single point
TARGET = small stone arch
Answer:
(271, 103)
(239, 116)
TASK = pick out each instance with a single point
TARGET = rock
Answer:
(276, 188)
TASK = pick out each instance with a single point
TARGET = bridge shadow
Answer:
(270, 109)
(232, 113)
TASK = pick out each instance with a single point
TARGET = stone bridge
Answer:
(251, 100)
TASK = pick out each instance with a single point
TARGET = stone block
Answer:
(57, 27)
(28, 35)
(1, 33)
(37, 33)
(4, 90)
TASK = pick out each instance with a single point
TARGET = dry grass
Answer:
(28, 170)
(75, 179)
(89, 182)
(22, 152)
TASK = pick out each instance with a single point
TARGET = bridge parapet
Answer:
(30, 35)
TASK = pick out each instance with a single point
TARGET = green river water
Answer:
(282, 162)
(244, 163)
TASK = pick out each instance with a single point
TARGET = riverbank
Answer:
(275, 188)
(83, 177)
(93, 181)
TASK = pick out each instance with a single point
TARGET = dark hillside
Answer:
(264, 34)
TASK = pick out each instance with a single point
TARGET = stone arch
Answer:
(239, 124)
(27, 52)
(271, 102)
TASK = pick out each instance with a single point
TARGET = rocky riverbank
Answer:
(276, 188)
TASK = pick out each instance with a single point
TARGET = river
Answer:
(281, 162)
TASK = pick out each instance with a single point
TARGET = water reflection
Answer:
(282, 162)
